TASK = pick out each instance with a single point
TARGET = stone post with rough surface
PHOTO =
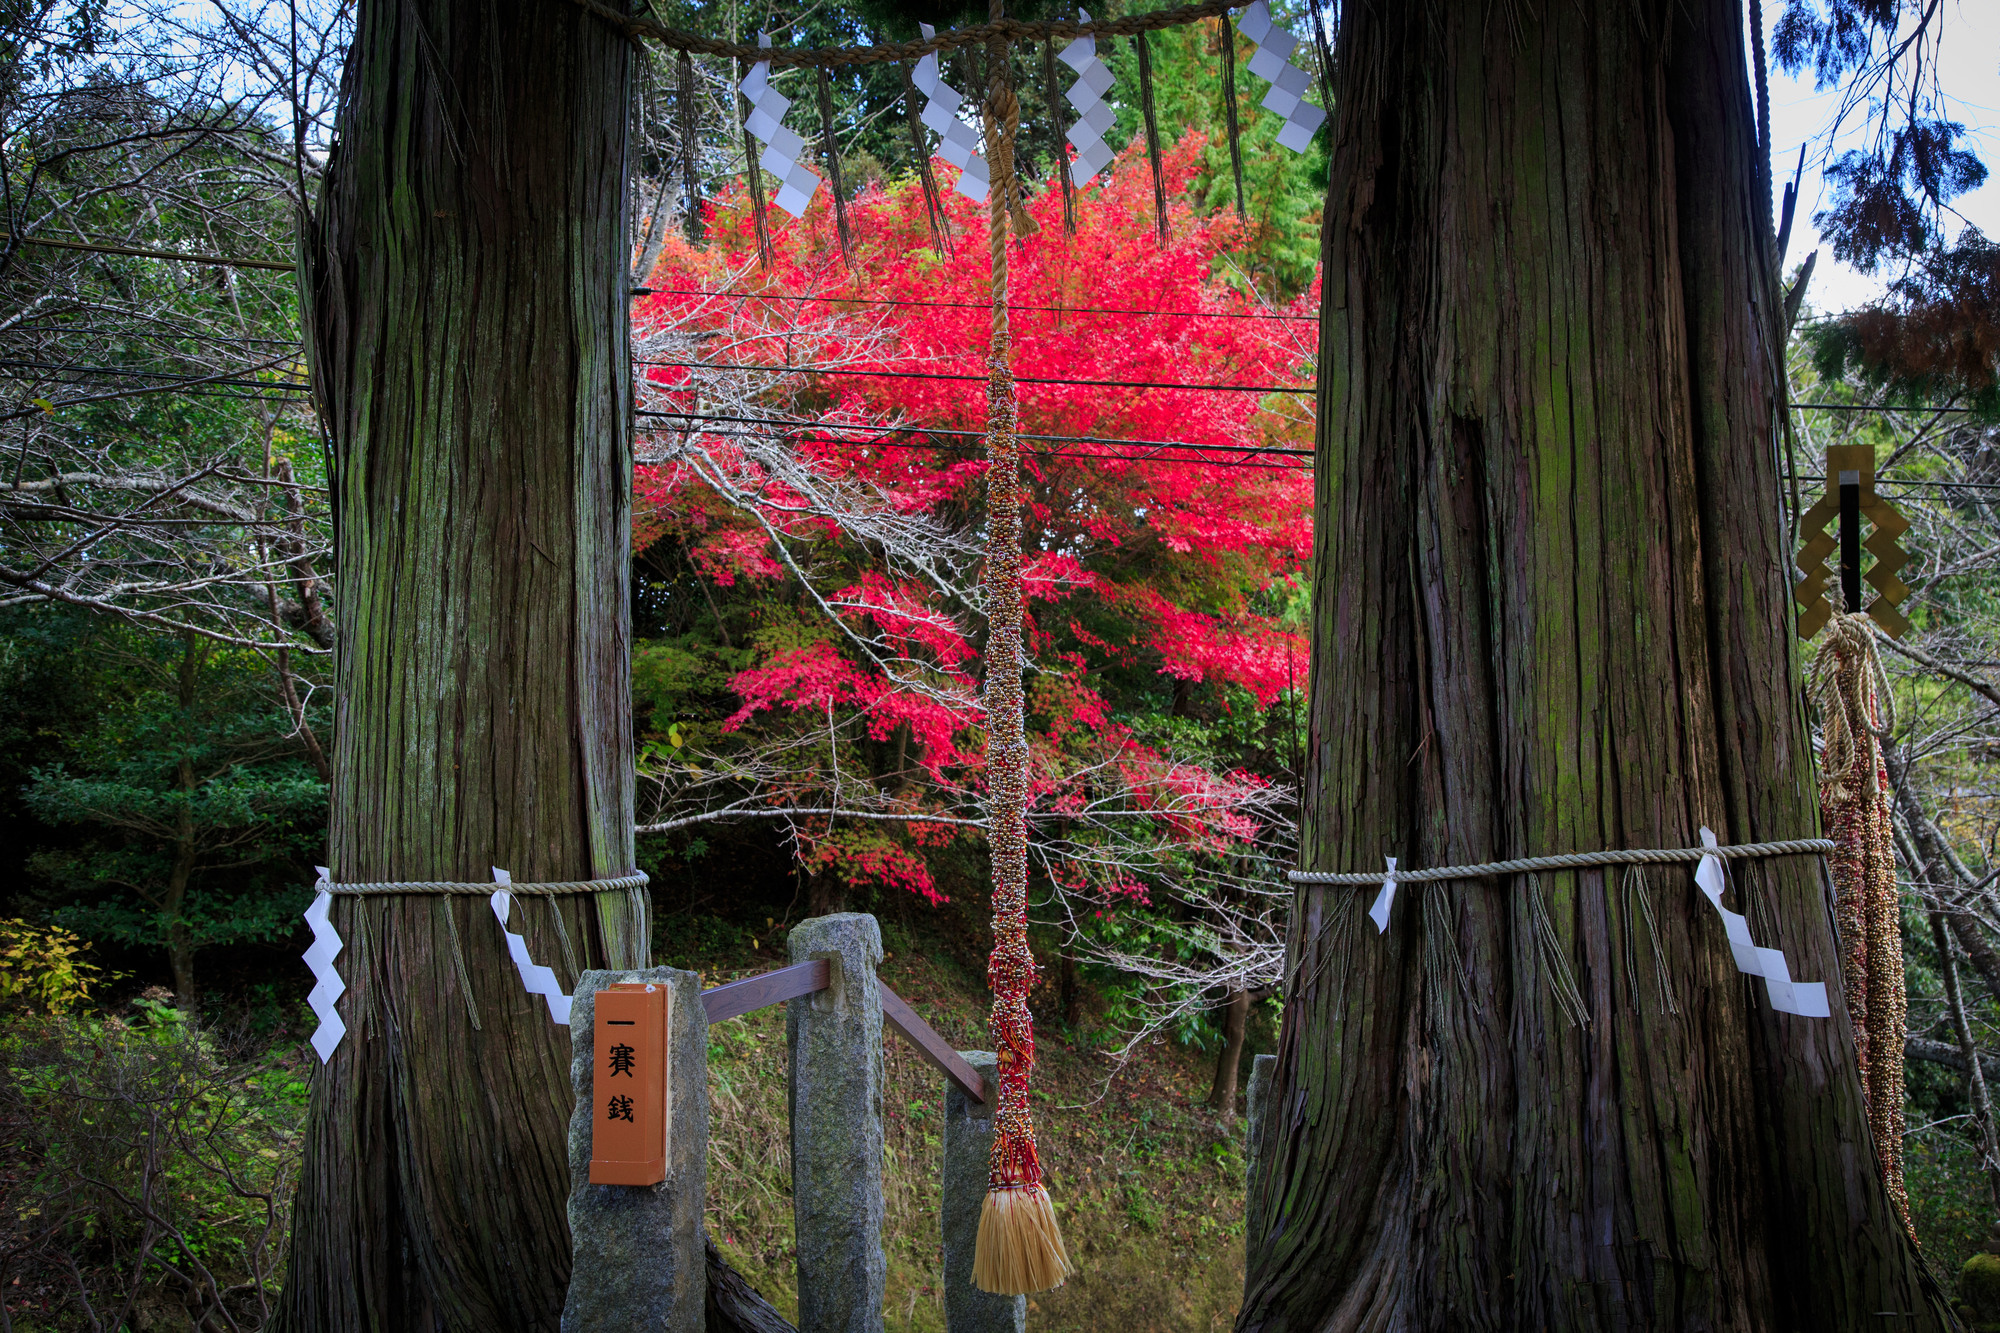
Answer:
(835, 1041)
(639, 1261)
(968, 1143)
(1257, 1119)
(1257, 1113)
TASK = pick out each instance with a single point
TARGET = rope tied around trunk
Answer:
(1568, 861)
(499, 890)
(636, 880)
(1807, 999)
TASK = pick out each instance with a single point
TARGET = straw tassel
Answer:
(690, 148)
(1020, 1247)
(1226, 37)
(832, 151)
(1852, 693)
(1057, 147)
(1152, 136)
(759, 214)
(933, 204)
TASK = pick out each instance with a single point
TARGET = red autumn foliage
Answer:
(1153, 570)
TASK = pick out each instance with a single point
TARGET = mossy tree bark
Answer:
(1551, 615)
(468, 311)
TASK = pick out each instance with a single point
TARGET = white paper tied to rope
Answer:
(1386, 899)
(958, 142)
(539, 980)
(1804, 998)
(1289, 84)
(783, 148)
(1094, 116)
(327, 985)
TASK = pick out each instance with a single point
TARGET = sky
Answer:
(1969, 72)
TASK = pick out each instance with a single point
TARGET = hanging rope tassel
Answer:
(690, 148)
(1020, 1247)
(1851, 691)
(1226, 40)
(759, 214)
(933, 205)
(1152, 136)
(832, 149)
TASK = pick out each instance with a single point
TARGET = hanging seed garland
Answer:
(1851, 691)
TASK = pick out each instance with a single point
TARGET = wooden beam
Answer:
(775, 987)
(788, 983)
(896, 1012)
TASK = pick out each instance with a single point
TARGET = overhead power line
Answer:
(946, 375)
(971, 451)
(975, 305)
(980, 434)
(1872, 407)
(99, 248)
(8, 364)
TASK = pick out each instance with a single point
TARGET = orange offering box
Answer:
(628, 1140)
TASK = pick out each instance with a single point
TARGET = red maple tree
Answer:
(1162, 547)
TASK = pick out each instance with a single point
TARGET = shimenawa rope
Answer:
(1568, 861)
(1020, 1248)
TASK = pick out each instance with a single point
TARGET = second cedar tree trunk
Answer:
(468, 320)
(1551, 614)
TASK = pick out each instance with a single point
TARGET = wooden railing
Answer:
(736, 998)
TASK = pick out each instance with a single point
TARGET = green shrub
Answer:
(44, 969)
(150, 1176)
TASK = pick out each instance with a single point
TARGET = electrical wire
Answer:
(11, 364)
(944, 375)
(971, 451)
(978, 434)
(1871, 407)
(973, 305)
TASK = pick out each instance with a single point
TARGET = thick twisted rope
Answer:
(1568, 861)
(637, 880)
(1000, 30)
(1011, 969)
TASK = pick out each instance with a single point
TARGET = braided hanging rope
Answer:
(1568, 861)
(1850, 689)
(1000, 31)
(1019, 1248)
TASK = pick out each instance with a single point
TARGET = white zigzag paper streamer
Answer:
(1289, 83)
(1093, 113)
(958, 142)
(1379, 912)
(539, 980)
(1804, 998)
(797, 183)
(327, 985)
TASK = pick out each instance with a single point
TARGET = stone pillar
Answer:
(1257, 1117)
(968, 1144)
(639, 1260)
(835, 1040)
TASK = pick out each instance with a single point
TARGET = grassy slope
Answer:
(1148, 1181)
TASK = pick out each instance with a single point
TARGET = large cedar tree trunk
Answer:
(468, 310)
(1551, 615)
